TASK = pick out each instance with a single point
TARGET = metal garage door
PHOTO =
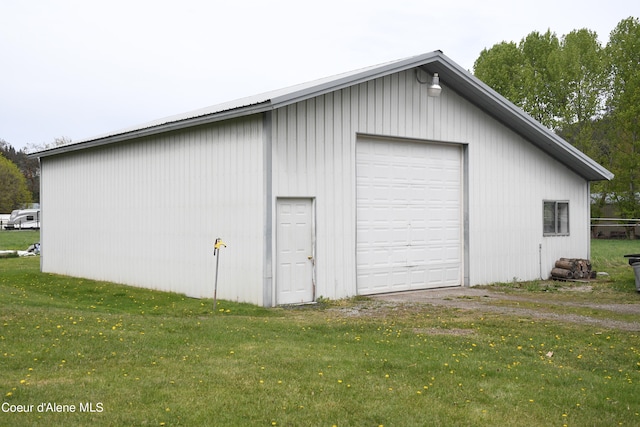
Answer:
(409, 215)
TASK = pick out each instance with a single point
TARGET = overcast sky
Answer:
(78, 68)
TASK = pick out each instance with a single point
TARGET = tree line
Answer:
(20, 175)
(588, 93)
(19, 178)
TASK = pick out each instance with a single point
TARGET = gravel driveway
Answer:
(491, 301)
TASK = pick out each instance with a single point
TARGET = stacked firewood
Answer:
(572, 268)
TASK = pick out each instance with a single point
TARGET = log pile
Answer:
(572, 268)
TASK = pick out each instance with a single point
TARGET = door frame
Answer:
(313, 260)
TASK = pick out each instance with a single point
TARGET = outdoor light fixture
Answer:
(434, 87)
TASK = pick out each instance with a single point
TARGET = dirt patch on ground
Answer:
(437, 331)
(491, 301)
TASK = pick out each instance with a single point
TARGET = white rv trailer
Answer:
(21, 219)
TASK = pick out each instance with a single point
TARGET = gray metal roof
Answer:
(452, 76)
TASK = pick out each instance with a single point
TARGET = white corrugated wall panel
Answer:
(147, 212)
(161, 202)
(508, 178)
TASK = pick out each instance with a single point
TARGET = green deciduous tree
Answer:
(540, 94)
(557, 81)
(579, 67)
(579, 64)
(501, 68)
(623, 57)
(30, 168)
(588, 94)
(14, 192)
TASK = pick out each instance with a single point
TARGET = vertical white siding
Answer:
(147, 213)
(314, 156)
(508, 180)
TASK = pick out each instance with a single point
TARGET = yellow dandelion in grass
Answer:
(9, 394)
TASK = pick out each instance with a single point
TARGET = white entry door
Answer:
(294, 251)
(409, 215)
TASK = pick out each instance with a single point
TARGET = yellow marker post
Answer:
(216, 251)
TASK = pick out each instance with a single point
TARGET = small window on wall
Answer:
(555, 218)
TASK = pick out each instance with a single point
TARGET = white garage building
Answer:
(360, 183)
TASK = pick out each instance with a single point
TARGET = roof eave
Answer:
(170, 126)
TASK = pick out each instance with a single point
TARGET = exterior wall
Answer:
(508, 181)
(160, 203)
(314, 156)
(508, 178)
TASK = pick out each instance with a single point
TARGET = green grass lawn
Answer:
(116, 355)
(18, 240)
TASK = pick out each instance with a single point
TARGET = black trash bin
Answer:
(634, 261)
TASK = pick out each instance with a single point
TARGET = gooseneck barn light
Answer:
(434, 87)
